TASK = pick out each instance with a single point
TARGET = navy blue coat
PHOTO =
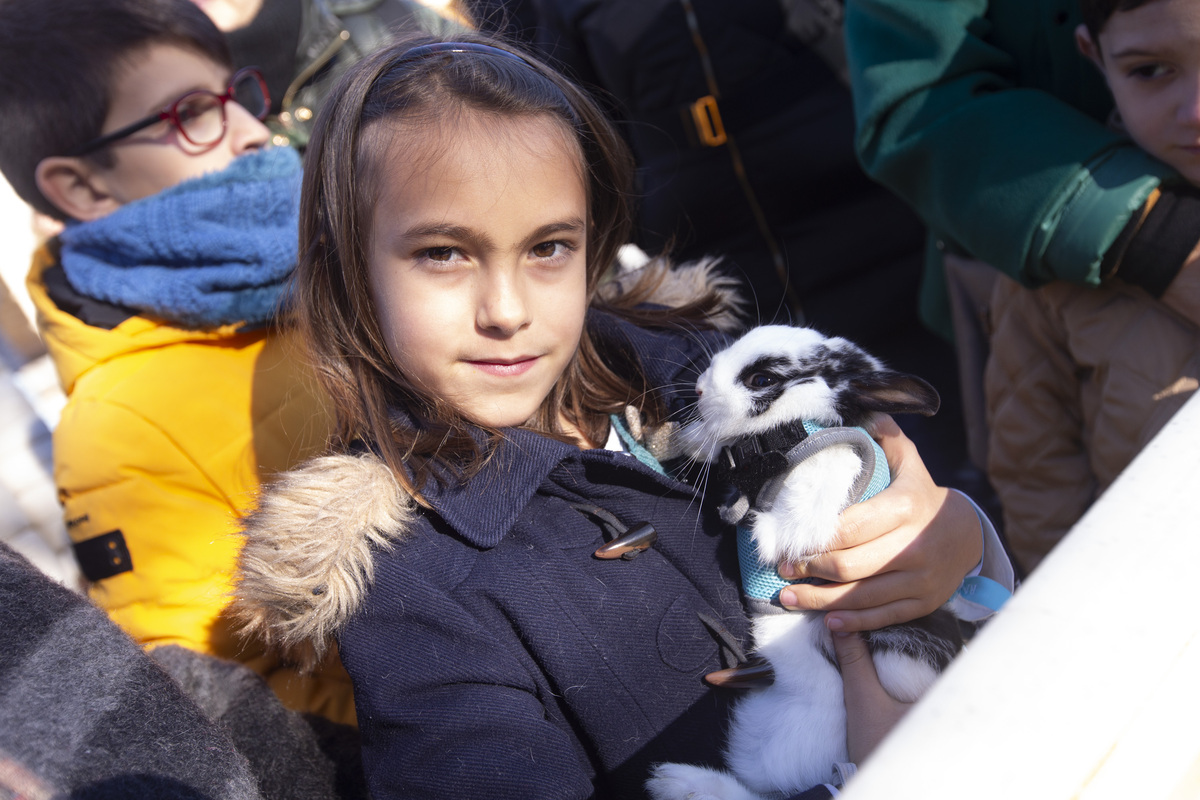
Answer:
(497, 657)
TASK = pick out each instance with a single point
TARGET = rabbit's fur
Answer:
(787, 737)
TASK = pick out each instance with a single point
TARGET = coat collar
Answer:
(483, 509)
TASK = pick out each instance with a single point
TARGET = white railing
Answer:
(1087, 684)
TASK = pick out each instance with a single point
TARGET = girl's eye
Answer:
(761, 380)
(439, 253)
(545, 249)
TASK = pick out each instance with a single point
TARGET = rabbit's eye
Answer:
(761, 380)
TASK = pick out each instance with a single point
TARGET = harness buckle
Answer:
(706, 116)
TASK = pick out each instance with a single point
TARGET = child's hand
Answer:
(901, 554)
(870, 711)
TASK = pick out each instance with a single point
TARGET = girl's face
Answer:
(477, 261)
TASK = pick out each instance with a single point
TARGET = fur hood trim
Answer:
(307, 559)
(678, 285)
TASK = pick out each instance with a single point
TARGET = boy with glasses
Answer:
(158, 303)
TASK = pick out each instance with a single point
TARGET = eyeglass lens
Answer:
(201, 114)
(248, 93)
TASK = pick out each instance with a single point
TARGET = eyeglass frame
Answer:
(171, 114)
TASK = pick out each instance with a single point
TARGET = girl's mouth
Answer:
(505, 368)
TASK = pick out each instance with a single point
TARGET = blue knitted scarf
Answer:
(209, 251)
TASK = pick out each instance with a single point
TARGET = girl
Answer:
(497, 402)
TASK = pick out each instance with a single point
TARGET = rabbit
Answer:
(772, 419)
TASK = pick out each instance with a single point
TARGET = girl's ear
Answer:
(74, 186)
(894, 393)
(1089, 47)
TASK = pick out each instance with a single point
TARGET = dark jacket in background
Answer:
(853, 251)
(304, 46)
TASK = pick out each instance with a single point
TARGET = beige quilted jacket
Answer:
(1078, 381)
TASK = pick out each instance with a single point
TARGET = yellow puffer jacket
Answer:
(164, 440)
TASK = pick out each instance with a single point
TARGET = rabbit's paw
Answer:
(688, 782)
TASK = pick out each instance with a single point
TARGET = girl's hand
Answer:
(870, 711)
(900, 554)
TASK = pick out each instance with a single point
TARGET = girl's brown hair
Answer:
(416, 83)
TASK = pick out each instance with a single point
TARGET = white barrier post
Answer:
(1087, 684)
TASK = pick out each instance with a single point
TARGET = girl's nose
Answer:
(502, 307)
(245, 131)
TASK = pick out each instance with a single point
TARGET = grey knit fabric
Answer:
(85, 713)
(294, 756)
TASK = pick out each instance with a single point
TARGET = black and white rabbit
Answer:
(773, 418)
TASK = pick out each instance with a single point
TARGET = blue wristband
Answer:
(984, 592)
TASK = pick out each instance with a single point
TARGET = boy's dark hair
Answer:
(1097, 13)
(58, 59)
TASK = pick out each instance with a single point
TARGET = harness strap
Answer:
(753, 462)
(761, 582)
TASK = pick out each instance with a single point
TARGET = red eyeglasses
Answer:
(199, 115)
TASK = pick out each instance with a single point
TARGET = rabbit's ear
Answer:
(892, 393)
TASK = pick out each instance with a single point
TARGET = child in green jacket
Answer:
(1080, 379)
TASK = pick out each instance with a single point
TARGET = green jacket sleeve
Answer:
(989, 124)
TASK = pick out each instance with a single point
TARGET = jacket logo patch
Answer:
(103, 556)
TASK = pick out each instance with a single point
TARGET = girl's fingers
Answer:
(879, 590)
(871, 535)
(871, 619)
(884, 547)
(862, 522)
(896, 446)
(857, 666)
(884, 426)
(911, 490)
